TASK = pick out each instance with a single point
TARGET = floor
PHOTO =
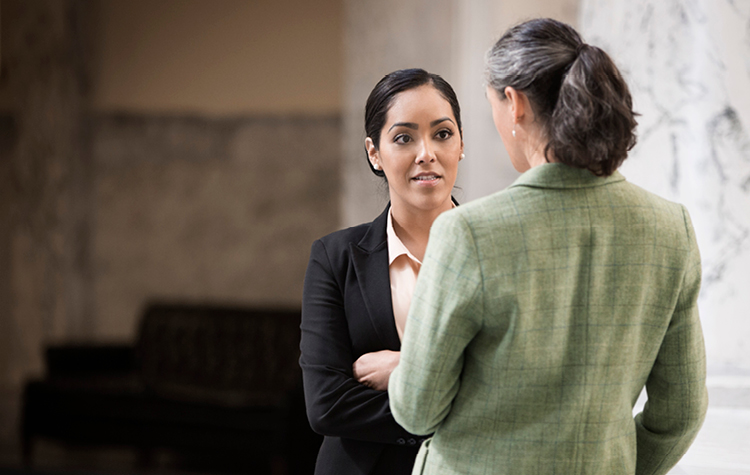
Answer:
(721, 448)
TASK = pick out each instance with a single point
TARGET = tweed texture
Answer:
(539, 315)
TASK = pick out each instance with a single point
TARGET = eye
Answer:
(444, 134)
(402, 139)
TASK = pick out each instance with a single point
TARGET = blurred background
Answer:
(190, 151)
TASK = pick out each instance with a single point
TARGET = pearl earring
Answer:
(463, 155)
(514, 132)
(376, 166)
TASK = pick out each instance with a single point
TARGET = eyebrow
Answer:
(412, 125)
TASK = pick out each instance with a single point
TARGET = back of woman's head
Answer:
(385, 91)
(578, 96)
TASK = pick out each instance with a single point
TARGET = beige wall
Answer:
(516, 11)
(218, 57)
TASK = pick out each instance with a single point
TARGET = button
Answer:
(400, 441)
(412, 442)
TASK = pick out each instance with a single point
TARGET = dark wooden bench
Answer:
(200, 379)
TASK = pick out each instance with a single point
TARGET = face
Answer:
(420, 147)
(502, 115)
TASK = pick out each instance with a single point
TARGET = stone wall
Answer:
(103, 212)
(45, 183)
(196, 209)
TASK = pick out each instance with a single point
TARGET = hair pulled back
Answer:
(381, 98)
(577, 94)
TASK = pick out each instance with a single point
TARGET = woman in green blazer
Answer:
(542, 311)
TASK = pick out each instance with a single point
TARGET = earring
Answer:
(463, 155)
(376, 166)
(514, 132)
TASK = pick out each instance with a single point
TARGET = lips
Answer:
(426, 176)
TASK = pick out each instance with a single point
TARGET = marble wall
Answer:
(688, 66)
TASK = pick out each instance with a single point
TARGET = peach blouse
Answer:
(403, 269)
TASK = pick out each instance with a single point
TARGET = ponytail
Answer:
(577, 94)
(592, 123)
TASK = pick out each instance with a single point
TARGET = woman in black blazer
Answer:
(350, 342)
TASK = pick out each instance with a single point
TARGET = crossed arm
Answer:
(338, 399)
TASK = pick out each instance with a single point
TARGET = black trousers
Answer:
(396, 460)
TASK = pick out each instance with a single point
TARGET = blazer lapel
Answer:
(370, 258)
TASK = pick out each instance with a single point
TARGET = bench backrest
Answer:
(228, 355)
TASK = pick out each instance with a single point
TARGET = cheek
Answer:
(498, 121)
(393, 165)
(453, 160)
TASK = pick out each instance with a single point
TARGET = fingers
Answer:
(374, 369)
(359, 370)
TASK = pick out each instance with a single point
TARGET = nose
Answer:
(426, 153)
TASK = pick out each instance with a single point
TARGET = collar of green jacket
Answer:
(559, 175)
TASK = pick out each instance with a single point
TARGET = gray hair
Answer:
(578, 96)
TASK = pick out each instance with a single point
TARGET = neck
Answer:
(535, 152)
(412, 226)
(537, 158)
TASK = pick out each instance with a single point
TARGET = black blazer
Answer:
(347, 312)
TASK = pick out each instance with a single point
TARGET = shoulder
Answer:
(476, 215)
(663, 211)
(343, 237)
(670, 218)
(649, 198)
(464, 226)
(336, 248)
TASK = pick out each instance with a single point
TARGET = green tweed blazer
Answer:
(539, 315)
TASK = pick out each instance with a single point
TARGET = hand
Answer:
(374, 369)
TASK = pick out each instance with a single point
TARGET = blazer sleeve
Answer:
(445, 314)
(337, 404)
(676, 387)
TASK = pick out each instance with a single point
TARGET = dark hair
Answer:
(575, 90)
(392, 84)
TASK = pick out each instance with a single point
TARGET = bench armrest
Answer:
(83, 359)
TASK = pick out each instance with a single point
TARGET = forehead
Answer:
(423, 103)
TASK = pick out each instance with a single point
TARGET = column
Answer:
(446, 37)
(687, 66)
(46, 185)
(381, 36)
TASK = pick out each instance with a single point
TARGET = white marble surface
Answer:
(688, 65)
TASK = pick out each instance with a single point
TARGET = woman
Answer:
(542, 311)
(359, 280)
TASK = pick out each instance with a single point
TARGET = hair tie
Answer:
(580, 48)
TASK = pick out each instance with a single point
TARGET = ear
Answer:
(518, 103)
(373, 154)
(461, 157)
